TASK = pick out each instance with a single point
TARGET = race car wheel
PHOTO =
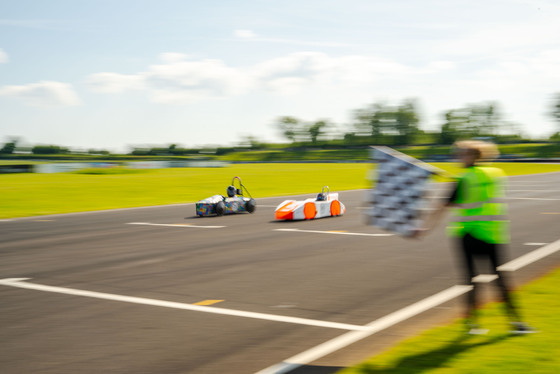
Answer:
(309, 210)
(335, 208)
(220, 208)
(251, 205)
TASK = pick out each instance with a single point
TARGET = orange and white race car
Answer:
(325, 205)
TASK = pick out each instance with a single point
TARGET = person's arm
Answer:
(435, 216)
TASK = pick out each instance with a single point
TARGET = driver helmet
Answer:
(321, 197)
(231, 191)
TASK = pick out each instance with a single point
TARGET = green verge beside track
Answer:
(41, 194)
(447, 349)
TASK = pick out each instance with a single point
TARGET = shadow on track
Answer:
(425, 361)
(310, 369)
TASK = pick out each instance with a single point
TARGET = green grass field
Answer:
(448, 350)
(41, 194)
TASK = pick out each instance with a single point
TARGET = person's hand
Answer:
(419, 232)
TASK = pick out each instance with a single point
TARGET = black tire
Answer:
(251, 205)
(220, 208)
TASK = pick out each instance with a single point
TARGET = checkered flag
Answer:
(398, 194)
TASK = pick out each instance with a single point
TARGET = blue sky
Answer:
(117, 74)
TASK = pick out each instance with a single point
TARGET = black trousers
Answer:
(472, 249)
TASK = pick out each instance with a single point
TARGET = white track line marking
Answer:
(533, 190)
(484, 278)
(531, 257)
(348, 338)
(382, 323)
(95, 211)
(531, 198)
(21, 283)
(333, 232)
(535, 244)
(186, 225)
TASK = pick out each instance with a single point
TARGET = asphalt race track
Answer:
(159, 290)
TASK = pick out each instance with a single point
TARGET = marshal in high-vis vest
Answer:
(480, 226)
(480, 209)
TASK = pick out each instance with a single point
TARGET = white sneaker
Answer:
(478, 331)
(519, 328)
(474, 329)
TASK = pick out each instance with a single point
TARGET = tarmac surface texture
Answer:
(159, 290)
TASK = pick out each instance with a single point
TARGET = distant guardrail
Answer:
(65, 167)
(18, 168)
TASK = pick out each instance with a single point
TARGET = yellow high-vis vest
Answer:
(480, 208)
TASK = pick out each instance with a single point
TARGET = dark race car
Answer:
(235, 202)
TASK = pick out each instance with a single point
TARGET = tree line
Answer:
(373, 124)
(11, 146)
(380, 123)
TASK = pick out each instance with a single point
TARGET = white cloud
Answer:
(3, 56)
(114, 82)
(177, 80)
(172, 57)
(441, 65)
(312, 69)
(44, 93)
(324, 85)
(534, 73)
(244, 34)
(503, 40)
(186, 80)
(180, 79)
(290, 73)
(546, 63)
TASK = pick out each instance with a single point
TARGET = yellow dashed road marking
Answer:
(175, 225)
(208, 302)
